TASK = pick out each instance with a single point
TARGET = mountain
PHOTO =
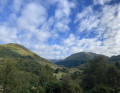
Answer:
(114, 59)
(19, 52)
(54, 60)
(77, 59)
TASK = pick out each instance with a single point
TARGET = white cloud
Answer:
(88, 20)
(37, 25)
(62, 15)
(34, 24)
(105, 24)
(74, 44)
(31, 25)
(32, 16)
(8, 34)
(102, 2)
(64, 9)
(71, 40)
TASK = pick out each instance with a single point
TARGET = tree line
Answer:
(18, 76)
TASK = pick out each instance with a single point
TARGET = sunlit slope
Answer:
(19, 52)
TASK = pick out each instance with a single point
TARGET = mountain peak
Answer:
(77, 59)
(18, 51)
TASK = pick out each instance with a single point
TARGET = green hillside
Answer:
(17, 51)
(81, 59)
(22, 71)
(77, 59)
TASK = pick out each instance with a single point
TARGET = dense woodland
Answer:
(22, 75)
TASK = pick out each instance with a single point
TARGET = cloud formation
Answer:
(105, 24)
(58, 28)
(102, 2)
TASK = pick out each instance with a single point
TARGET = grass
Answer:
(59, 75)
(72, 70)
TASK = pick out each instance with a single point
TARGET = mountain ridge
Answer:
(18, 51)
(82, 58)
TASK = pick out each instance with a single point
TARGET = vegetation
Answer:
(101, 77)
(17, 78)
(77, 59)
(19, 52)
(80, 60)
(22, 74)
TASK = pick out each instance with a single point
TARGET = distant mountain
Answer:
(54, 60)
(77, 59)
(20, 53)
(114, 59)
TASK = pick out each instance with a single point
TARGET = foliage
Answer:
(69, 86)
(21, 72)
(77, 59)
(19, 52)
(12, 79)
(101, 77)
(101, 88)
(64, 70)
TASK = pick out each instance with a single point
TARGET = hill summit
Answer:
(17, 51)
(77, 59)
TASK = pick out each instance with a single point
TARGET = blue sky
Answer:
(59, 28)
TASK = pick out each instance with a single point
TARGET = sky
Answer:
(55, 29)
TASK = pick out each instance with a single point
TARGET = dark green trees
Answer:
(113, 77)
(70, 86)
(95, 73)
(101, 77)
(30, 77)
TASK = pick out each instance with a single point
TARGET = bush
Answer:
(101, 88)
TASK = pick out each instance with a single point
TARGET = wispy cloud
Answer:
(102, 2)
(50, 31)
(105, 23)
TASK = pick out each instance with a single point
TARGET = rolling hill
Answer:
(77, 59)
(19, 52)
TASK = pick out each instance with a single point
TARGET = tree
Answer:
(54, 86)
(13, 80)
(95, 73)
(117, 64)
(113, 77)
(101, 88)
(69, 86)
(45, 75)
(57, 70)
(6, 70)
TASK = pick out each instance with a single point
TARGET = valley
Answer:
(23, 71)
